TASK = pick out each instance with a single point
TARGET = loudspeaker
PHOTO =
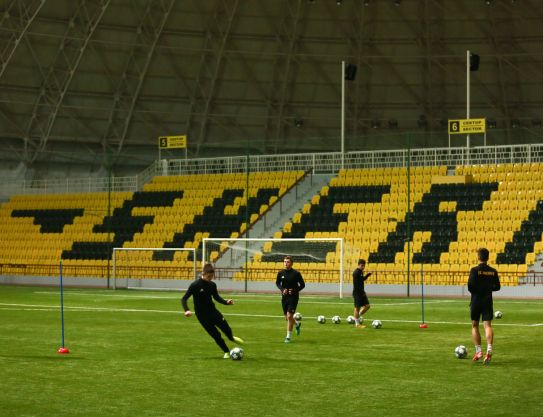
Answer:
(350, 72)
(473, 62)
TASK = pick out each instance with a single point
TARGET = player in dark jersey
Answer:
(290, 283)
(359, 293)
(483, 280)
(202, 290)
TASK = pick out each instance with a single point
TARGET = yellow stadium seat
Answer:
(530, 258)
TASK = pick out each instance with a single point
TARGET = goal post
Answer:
(255, 262)
(153, 268)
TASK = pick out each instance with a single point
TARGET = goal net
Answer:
(153, 268)
(252, 264)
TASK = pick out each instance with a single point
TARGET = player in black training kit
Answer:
(290, 283)
(209, 317)
(359, 293)
(483, 280)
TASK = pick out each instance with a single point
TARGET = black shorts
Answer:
(484, 309)
(213, 316)
(360, 300)
(289, 303)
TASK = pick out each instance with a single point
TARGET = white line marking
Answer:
(178, 312)
(260, 299)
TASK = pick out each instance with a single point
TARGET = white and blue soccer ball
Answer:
(336, 319)
(498, 314)
(298, 316)
(350, 320)
(461, 352)
(237, 354)
(376, 324)
(321, 319)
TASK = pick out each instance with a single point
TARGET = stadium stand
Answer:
(437, 221)
(176, 211)
(449, 217)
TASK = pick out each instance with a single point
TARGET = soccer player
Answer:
(202, 290)
(483, 280)
(290, 283)
(359, 294)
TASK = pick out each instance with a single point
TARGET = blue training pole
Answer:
(422, 293)
(423, 325)
(61, 304)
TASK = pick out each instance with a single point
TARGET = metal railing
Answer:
(70, 185)
(324, 163)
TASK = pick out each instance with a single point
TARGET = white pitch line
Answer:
(261, 299)
(118, 296)
(463, 323)
(134, 310)
(271, 298)
(79, 308)
(28, 309)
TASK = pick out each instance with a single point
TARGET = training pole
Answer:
(62, 349)
(422, 325)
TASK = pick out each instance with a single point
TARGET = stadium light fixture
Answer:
(350, 72)
(474, 60)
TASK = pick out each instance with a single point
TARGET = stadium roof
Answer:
(89, 80)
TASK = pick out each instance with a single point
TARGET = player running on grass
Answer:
(290, 283)
(483, 280)
(359, 293)
(209, 317)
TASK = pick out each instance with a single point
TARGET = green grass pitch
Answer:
(133, 353)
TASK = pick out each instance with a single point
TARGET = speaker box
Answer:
(473, 62)
(350, 72)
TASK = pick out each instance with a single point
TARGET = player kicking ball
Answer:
(203, 290)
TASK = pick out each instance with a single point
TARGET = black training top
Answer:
(202, 291)
(358, 281)
(290, 279)
(483, 279)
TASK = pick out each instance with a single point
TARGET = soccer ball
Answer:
(461, 352)
(336, 319)
(350, 320)
(376, 324)
(321, 319)
(298, 316)
(498, 314)
(237, 353)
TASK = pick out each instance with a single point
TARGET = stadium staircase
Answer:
(267, 226)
